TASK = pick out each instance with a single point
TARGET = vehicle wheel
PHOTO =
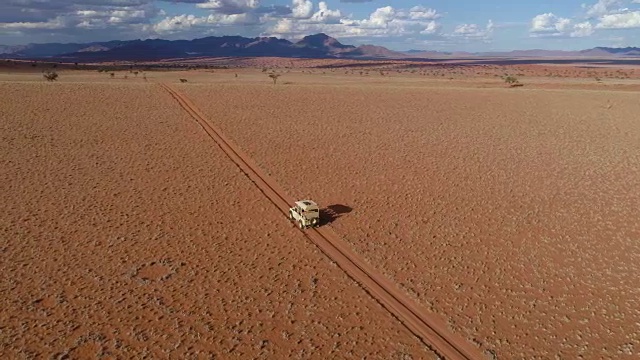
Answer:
(301, 225)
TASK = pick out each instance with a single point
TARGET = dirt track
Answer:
(429, 329)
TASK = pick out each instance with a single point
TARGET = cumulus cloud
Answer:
(383, 22)
(550, 25)
(119, 17)
(582, 29)
(183, 23)
(325, 15)
(474, 31)
(302, 9)
(230, 6)
(57, 23)
(602, 7)
(625, 20)
(423, 13)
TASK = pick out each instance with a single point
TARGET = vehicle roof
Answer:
(307, 204)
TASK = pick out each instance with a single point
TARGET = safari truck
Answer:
(306, 213)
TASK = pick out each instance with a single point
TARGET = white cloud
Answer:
(554, 26)
(384, 21)
(602, 7)
(325, 15)
(431, 28)
(626, 20)
(422, 13)
(302, 9)
(549, 23)
(57, 23)
(583, 29)
(474, 31)
(187, 22)
(230, 7)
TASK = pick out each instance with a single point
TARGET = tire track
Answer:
(429, 329)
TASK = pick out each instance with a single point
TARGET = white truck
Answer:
(306, 213)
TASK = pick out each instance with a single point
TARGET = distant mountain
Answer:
(312, 46)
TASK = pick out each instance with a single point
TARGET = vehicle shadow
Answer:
(333, 212)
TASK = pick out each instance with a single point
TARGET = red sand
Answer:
(514, 212)
(125, 232)
(511, 212)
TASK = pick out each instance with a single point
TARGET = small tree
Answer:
(510, 80)
(274, 77)
(50, 75)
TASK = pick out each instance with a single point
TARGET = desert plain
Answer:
(511, 213)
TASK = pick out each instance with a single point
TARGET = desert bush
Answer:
(112, 75)
(274, 77)
(50, 75)
(183, 80)
(511, 80)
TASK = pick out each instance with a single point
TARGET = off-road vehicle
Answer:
(306, 213)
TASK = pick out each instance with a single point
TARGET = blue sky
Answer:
(453, 25)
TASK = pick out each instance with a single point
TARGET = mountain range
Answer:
(312, 46)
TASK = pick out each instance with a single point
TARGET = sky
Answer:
(443, 25)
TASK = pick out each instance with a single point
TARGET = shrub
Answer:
(50, 75)
(510, 79)
(274, 77)
(183, 80)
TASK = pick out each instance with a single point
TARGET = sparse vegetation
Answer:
(50, 75)
(183, 80)
(274, 77)
(509, 79)
(512, 81)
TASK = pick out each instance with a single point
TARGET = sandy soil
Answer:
(125, 232)
(513, 212)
